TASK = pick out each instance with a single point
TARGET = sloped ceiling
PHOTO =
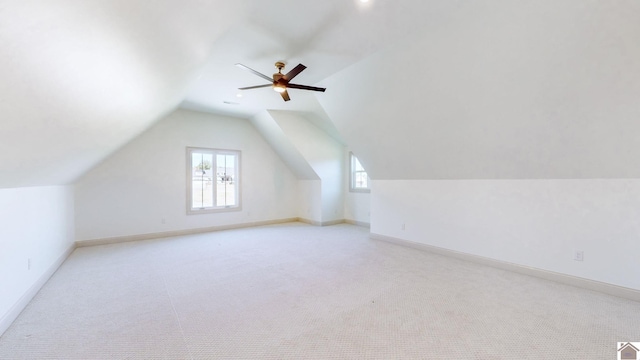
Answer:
(505, 89)
(418, 89)
(267, 125)
(81, 78)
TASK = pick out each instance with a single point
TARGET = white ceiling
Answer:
(487, 88)
(80, 79)
(326, 36)
(502, 89)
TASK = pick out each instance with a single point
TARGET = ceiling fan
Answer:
(280, 82)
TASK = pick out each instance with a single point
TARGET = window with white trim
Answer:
(359, 181)
(213, 180)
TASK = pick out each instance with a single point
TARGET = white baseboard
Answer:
(615, 290)
(321, 223)
(310, 222)
(158, 235)
(24, 300)
(358, 223)
(332, 222)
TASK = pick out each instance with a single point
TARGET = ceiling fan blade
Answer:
(255, 87)
(285, 95)
(268, 78)
(305, 87)
(294, 72)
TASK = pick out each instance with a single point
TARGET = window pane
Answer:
(226, 176)
(202, 181)
(361, 180)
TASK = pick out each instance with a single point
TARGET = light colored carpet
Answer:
(296, 291)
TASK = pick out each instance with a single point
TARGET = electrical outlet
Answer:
(578, 255)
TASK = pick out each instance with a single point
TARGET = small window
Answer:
(213, 180)
(359, 179)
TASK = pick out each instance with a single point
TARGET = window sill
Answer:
(360, 190)
(213, 210)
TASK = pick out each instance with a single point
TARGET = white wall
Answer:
(521, 93)
(310, 200)
(37, 224)
(536, 223)
(323, 153)
(357, 207)
(309, 185)
(145, 181)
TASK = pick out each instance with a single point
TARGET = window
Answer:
(213, 179)
(359, 179)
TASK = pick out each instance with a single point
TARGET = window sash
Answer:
(226, 189)
(359, 180)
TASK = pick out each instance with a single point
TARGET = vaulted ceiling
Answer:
(418, 89)
(501, 89)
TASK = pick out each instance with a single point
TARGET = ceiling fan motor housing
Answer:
(279, 75)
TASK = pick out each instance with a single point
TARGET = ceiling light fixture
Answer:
(279, 88)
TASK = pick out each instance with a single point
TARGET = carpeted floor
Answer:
(296, 291)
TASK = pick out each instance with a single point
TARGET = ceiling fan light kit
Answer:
(280, 82)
